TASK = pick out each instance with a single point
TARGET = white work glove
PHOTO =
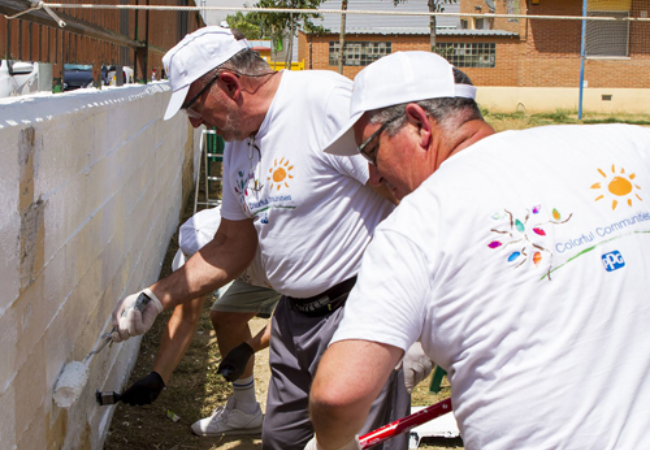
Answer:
(134, 322)
(417, 366)
(352, 445)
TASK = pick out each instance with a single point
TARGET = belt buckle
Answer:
(313, 306)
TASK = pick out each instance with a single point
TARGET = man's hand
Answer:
(352, 445)
(234, 363)
(417, 366)
(128, 321)
(145, 391)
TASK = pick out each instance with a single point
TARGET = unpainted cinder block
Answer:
(8, 422)
(30, 390)
(33, 314)
(56, 421)
(57, 281)
(35, 436)
(58, 345)
(55, 224)
(9, 339)
(78, 252)
(9, 261)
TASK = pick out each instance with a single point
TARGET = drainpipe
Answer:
(583, 55)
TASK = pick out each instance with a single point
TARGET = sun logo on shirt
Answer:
(280, 174)
(618, 186)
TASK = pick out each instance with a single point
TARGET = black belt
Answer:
(325, 302)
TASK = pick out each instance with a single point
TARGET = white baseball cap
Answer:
(193, 57)
(398, 78)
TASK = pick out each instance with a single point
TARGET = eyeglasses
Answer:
(188, 104)
(372, 156)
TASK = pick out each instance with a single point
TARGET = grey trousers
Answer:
(297, 344)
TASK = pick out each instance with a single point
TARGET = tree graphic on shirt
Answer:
(518, 234)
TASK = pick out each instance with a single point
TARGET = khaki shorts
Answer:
(242, 297)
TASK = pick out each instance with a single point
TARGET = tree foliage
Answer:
(278, 25)
(247, 24)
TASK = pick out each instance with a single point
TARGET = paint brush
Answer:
(74, 376)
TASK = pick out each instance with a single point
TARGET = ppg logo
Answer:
(613, 261)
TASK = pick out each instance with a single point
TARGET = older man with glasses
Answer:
(518, 259)
(311, 214)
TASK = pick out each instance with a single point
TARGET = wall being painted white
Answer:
(91, 190)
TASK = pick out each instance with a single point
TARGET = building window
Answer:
(465, 54)
(479, 23)
(464, 24)
(359, 53)
(608, 38)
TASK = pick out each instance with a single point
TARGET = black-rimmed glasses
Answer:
(372, 156)
(193, 100)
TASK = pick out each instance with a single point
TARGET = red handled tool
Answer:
(404, 424)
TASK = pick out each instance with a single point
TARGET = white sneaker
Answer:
(229, 420)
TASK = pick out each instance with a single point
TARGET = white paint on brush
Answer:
(70, 384)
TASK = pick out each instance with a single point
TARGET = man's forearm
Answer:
(221, 260)
(177, 336)
(350, 376)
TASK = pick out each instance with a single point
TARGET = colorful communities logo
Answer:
(241, 188)
(280, 174)
(523, 240)
(240, 185)
(617, 187)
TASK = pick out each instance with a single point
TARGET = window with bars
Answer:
(608, 38)
(359, 53)
(469, 54)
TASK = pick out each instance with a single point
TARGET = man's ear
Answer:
(231, 84)
(419, 117)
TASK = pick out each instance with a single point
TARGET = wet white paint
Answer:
(70, 384)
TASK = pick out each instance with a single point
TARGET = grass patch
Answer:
(520, 120)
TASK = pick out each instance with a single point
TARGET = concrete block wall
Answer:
(92, 186)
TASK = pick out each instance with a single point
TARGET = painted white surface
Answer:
(444, 426)
(90, 194)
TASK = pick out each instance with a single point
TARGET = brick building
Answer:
(507, 52)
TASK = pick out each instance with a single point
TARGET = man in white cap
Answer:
(311, 214)
(519, 259)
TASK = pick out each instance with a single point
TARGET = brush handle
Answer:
(141, 303)
(404, 424)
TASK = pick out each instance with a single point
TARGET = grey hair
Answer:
(449, 112)
(246, 63)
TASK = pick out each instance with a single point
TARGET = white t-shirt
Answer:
(463, 265)
(198, 231)
(313, 214)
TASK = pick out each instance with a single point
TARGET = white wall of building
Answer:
(91, 190)
(537, 100)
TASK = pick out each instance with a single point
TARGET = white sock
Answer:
(244, 393)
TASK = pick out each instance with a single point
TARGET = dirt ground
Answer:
(195, 390)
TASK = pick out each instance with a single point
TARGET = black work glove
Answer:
(234, 363)
(144, 391)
